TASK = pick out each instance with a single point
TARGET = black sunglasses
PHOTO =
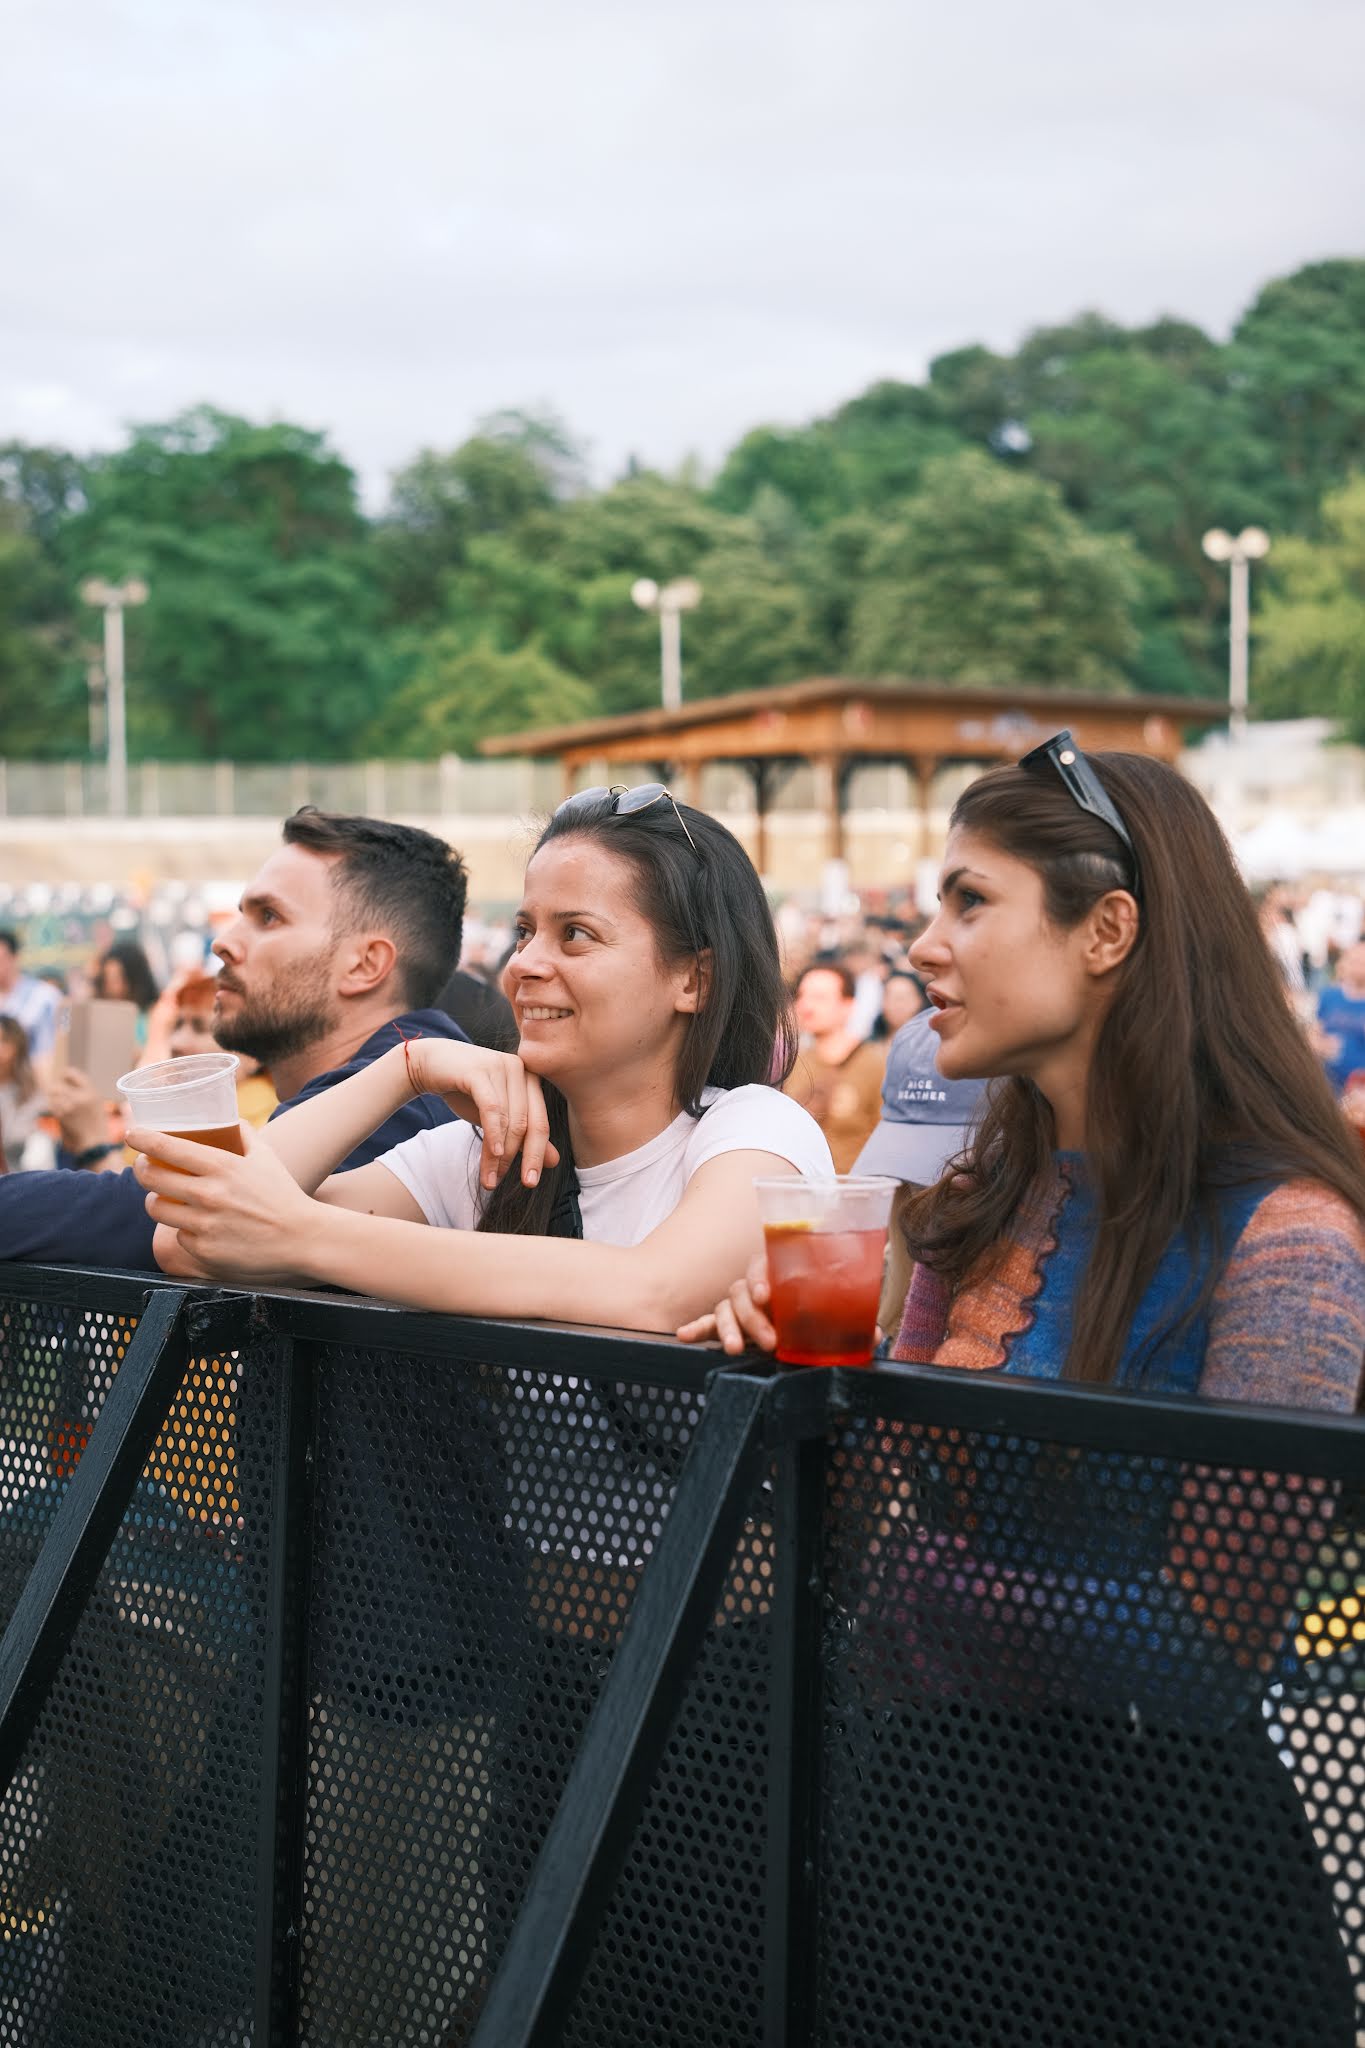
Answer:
(626, 803)
(1085, 789)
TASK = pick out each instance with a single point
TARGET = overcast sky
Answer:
(668, 223)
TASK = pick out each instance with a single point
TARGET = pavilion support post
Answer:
(568, 777)
(692, 784)
(925, 767)
(829, 796)
(761, 772)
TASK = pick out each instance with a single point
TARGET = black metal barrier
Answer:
(372, 1677)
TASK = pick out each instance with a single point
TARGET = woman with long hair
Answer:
(1160, 1194)
(1161, 1148)
(649, 998)
(1213, 1235)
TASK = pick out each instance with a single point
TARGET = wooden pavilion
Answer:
(836, 725)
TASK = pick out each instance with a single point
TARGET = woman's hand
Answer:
(740, 1322)
(494, 1091)
(242, 1216)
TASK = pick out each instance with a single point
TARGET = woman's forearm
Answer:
(315, 1136)
(459, 1272)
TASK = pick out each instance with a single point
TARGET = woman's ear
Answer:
(1114, 925)
(693, 993)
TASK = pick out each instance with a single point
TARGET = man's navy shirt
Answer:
(100, 1219)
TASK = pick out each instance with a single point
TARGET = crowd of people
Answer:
(850, 975)
(1117, 1092)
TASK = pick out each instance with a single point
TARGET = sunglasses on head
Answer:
(1085, 789)
(627, 803)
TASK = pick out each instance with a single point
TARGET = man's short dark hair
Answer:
(401, 880)
(10, 939)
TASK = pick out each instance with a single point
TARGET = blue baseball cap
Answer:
(925, 1120)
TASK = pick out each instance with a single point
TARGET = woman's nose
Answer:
(928, 950)
(527, 961)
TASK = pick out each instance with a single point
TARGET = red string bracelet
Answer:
(407, 1055)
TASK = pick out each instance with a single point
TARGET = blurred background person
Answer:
(862, 955)
(925, 1122)
(1276, 911)
(90, 1128)
(1340, 1038)
(482, 1012)
(31, 1001)
(123, 974)
(903, 997)
(838, 1072)
(21, 1099)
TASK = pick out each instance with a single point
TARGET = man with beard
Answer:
(345, 936)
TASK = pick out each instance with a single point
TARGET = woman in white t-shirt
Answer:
(649, 999)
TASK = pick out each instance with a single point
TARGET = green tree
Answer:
(42, 675)
(1299, 356)
(460, 694)
(31, 722)
(753, 626)
(261, 637)
(514, 466)
(1310, 626)
(985, 577)
(799, 464)
(886, 437)
(562, 587)
(833, 570)
(867, 454)
(646, 525)
(46, 484)
(1158, 446)
(979, 394)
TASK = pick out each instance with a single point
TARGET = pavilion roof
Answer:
(909, 716)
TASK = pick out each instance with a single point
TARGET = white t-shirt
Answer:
(623, 1200)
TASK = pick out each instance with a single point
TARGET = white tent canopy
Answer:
(1283, 848)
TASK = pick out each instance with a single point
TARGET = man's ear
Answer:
(1114, 924)
(697, 985)
(366, 961)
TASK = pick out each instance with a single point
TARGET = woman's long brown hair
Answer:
(1201, 1077)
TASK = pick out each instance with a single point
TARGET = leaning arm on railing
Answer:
(490, 1089)
(249, 1219)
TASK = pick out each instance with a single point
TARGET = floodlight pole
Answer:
(111, 598)
(1250, 545)
(670, 603)
(1239, 633)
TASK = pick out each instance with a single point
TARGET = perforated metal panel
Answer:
(127, 1838)
(481, 1534)
(680, 1956)
(1092, 1772)
(1052, 1739)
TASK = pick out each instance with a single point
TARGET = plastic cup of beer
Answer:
(826, 1243)
(192, 1097)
